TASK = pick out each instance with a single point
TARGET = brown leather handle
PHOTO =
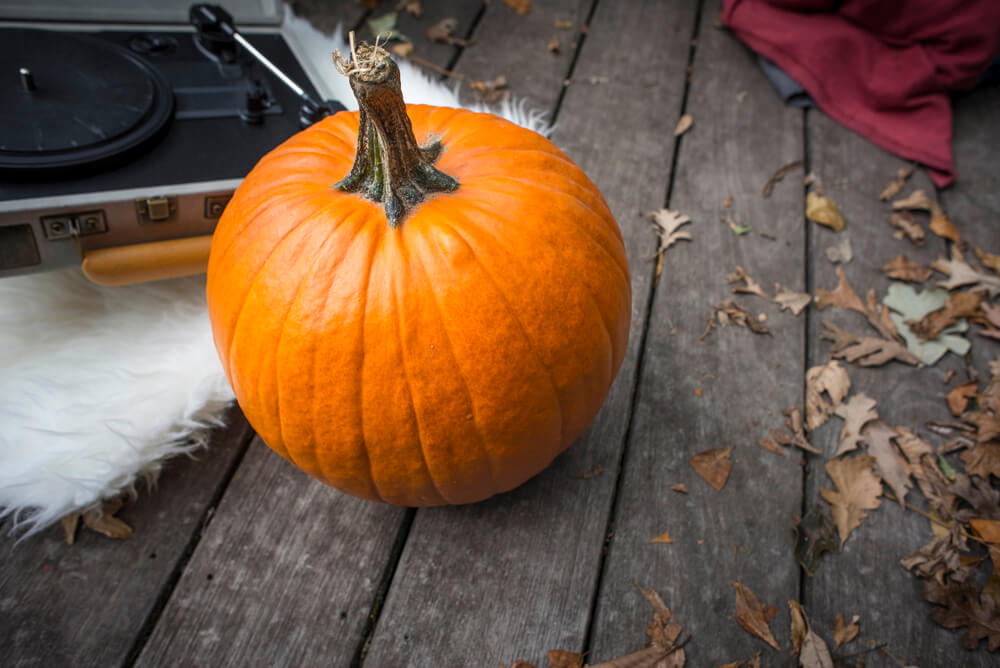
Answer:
(154, 261)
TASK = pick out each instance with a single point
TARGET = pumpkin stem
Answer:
(389, 167)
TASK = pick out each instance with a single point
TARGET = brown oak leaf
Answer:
(821, 209)
(958, 398)
(858, 411)
(896, 187)
(866, 350)
(922, 465)
(989, 260)
(666, 223)
(713, 466)
(904, 269)
(520, 6)
(941, 226)
(843, 632)
(830, 378)
(938, 559)
(962, 605)
(858, 489)
(798, 630)
(843, 296)
(731, 313)
(793, 420)
(916, 200)
(750, 286)
(789, 300)
(908, 226)
(958, 305)
(879, 437)
(982, 459)
(753, 616)
(961, 274)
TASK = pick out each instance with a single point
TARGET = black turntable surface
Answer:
(115, 110)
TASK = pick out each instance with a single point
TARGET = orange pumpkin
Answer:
(437, 326)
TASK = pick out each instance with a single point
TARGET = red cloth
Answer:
(883, 69)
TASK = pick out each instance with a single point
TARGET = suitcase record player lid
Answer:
(250, 12)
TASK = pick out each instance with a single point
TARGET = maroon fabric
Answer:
(883, 69)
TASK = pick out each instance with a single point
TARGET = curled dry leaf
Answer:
(493, 91)
(917, 200)
(753, 616)
(798, 625)
(713, 466)
(667, 224)
(904, 269)
(938, 559)
(750, 286)
(830, 378)
(908, 226)
(958, 398)
(683, 125)
(941, 226)
(982, 459)
(865, 350)
(988, 260)
(780, 174)
(772, 445)
(662, 538)
(815, 653)
(921, 464)
(413, 7)
(960, 274)
(958, 305)
(858, 411)
(680, 488)
(844, 633)
(841, 252)
(520, 6)
(554, 45)
(730, 313)
(560, 658)
(879, 437)
(961, 605)
(821, 209)
(858, 489)
(790, 300)
(793, 420)
(896, 187)
(843, 296)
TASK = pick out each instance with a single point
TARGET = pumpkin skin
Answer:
(441, 361)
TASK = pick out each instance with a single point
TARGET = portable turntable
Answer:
(120, 144)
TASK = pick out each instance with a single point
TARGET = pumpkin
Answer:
(415, 304)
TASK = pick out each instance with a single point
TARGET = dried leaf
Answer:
(982, 459)
(560, 658)
(957, 306)
(905, 269)
(772, 445)
(750, 286)
(814, 534)
(830, 378)
(987, 424)
(563, 24)
(680, 487)
(666, 223)
(958, 398)
(593, 473)
(794, 423)
(821, 209)
(961, 605)
(978, 493)
(662, 538)
(844, 633)
(402, 49)
(554, 45)
(683, 125)
(780, 174)
(858, 489)
(843, 296)
(413, 7)
(815, 653)
(798, 625)
(917, 200)
(879, 437)
(68, 524)
(922, 466)
(753, 616)
(103, 520)
(730, 313)
(867, 350)
(910, 305)
(493, 91)
(988, 260)
(941, 226)
(384, 27)
(961, 274)
(908, 227)
(443, 32)
(520, 6)
(790, 300)
(841, 252)
(896, 187)
(938, 559)
(713, 466)
(857, 412)
(738, 230)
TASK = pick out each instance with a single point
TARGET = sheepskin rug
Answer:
(99, 386)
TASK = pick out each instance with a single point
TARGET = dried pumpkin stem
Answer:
(389, 168)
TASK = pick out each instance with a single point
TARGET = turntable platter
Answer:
(72, 100)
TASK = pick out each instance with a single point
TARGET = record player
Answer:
(121, 143)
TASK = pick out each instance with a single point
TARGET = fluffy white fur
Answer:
(98, 386)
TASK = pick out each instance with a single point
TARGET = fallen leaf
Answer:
(560, 658)
(750, 286)
(865, 350)
(402, 49)
(662, 538)
(780, 174)
(857, 412)
(666, 223)
(937, 559)
(815, 653)
(663, 631)
(879, 437)
(522, 664)
(728, 202)
(753, 616)
(493, 91)
(896, 187)
(979, 494)
(988, 530)
(830, 378)
(814, 534)
(384, 27)
(821, 209)
(844, 633)
(916, 200)
(988, 260)
(443, 32)
(905, 269)
(958, 305)
(413, 7)
(593, 473)
(958, 398)
(982, 459)
(793, 420)
(798, 625)
(683, 125)
(858, 489)
(730, 313)
(961, 605)
(790, 300)
(960, 274)
(738, 230)
(713, 466)
(986, 422)
(554, 45)
(563, 24)
(843, 296)
(772, 445)
(924, 469)
(909, 305)
(941, 226)
(908, 227)
(841, 252)
(520, 6)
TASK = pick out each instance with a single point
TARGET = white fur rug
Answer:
(98, 386)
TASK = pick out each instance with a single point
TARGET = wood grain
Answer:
(724, 391)
(866, 578)
(285, 574)
(85, 604)
(514, 577)
(464, 12)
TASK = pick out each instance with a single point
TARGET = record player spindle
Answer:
(27, 79)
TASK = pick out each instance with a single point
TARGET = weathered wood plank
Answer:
(463, 12)
(85, 604)
(516, 46)
(514, 577)
(325, 15)
(724, 391)
(866, 578)
(285, 574)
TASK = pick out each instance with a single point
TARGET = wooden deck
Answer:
(239, 559)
